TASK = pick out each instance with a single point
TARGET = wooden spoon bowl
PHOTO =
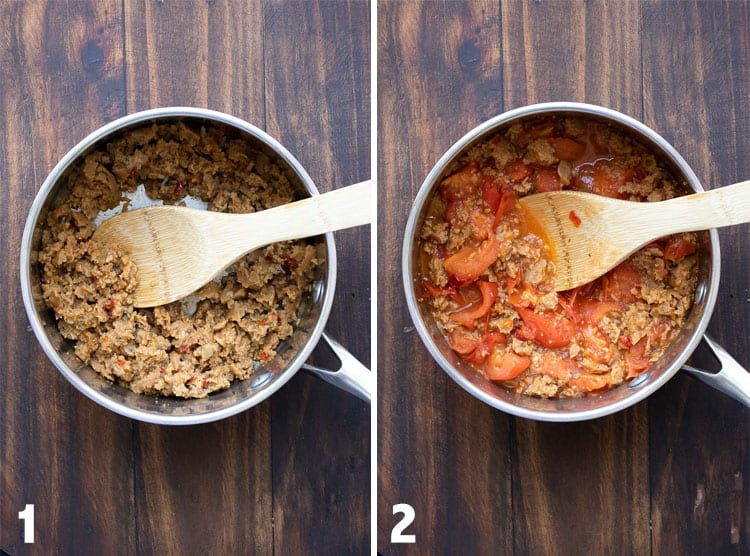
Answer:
(588, 234)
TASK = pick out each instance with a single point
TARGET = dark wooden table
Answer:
(670, 475)
(290, 476)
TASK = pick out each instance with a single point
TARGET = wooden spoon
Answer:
(177, 250)
(589, 234)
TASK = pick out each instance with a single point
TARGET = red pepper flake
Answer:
(204, 383)
(120, 360)
(110, 305)
(178, 188)
(264, 357)
(133, 171)
(574, 218)
(291, 263)
(262, 321)
(162, 370)
(192, 380)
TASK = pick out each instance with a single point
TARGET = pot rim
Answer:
(408, 245)
(25, 265)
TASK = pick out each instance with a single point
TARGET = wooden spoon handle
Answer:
(338, 209)
(724, 206)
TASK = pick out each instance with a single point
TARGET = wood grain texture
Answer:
(311, 113)
(677, 463)
(56, 447)
(439, 450)
(700, 440)
(102, 484)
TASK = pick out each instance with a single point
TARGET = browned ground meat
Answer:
(175, 349)
(487, 281)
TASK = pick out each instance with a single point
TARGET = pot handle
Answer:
(732, 378)
(351, 376)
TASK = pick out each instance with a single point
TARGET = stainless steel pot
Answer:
(292, 354)
(731, 379)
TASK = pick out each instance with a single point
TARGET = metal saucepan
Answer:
(731, 379)
(269, 377)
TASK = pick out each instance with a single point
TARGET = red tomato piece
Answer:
(462, 342)
(517, 170)
(592, 311)
(469, 263)
(546, 179)
(491, 192)
(467, 316)
(436, 291)
(485, 347)
(505, 365)
(507, 202)
(678, 248)
(461, 185)
(636, 359)
(566, 148)
(596, 346)
(546, 329)
(589, 382)
(622, 283)
(557, 367)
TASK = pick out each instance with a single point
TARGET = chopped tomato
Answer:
(566, 148)
(462, 342)
(592, 311)
(678, 248)
(505, 365)
(461, 185)
(603, 178)
(517, 298)
(596, 345)
(517, 170)
(436, 291)
(537, 131)
(557, 367)
(491, 192)
(506, 204)
(481, 225)
(622, 283)
(636, 359)
(546, 179)
(485, 346)
(545, 329)
(467, 316)
(589, 382)
(469, 263)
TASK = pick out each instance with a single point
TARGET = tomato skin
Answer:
(620, 283)
(557, 367)
(467, 316)
(545, 329)
(546, 179)
(461, 185)
(505, 365)
(589, 382)
(491, 192)
(636, 360)
(517, 170)
(485, 347)
(469, 263)
(461, 342)
(596, 346)
(506, 204)
(678, 248)
(592, 311)
(566, 148)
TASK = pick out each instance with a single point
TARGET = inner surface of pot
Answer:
(267, 377)
(565, 409)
